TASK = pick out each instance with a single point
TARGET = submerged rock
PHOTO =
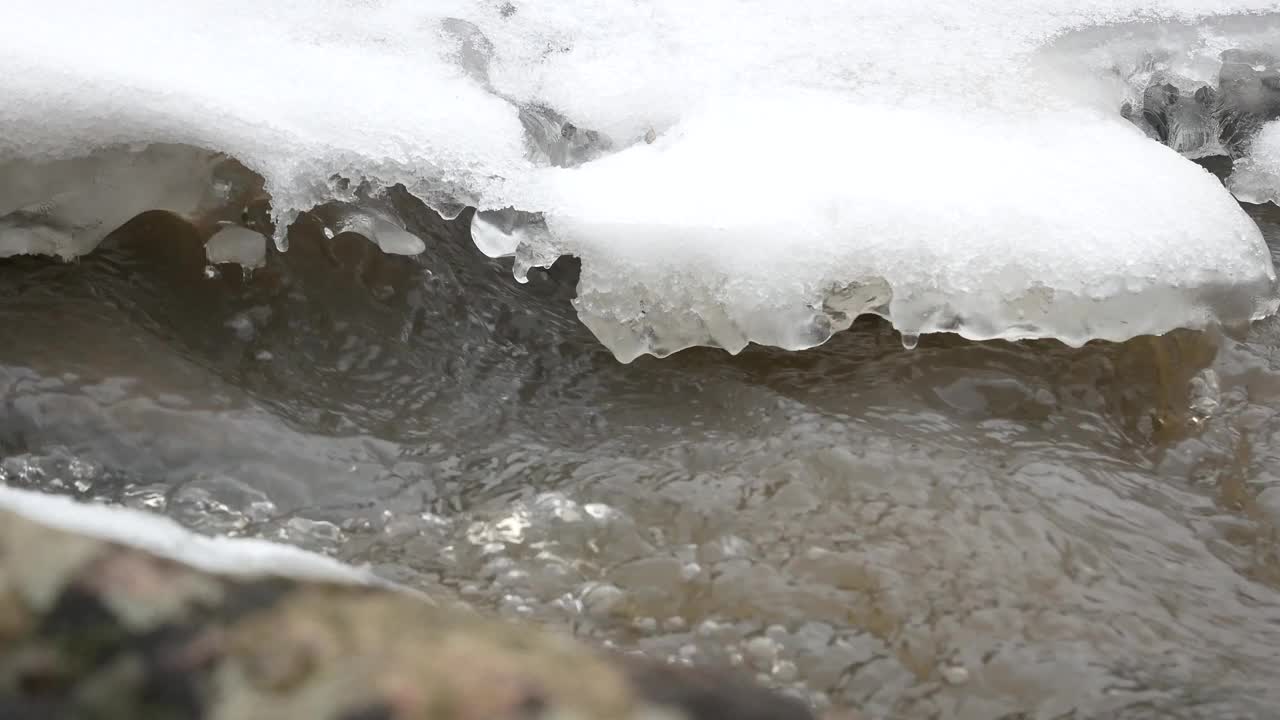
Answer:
(98, 630)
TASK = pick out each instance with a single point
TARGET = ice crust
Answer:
(67, 206)
(1256, 177)
(728, 171)
(1019, 244)
(164, 537)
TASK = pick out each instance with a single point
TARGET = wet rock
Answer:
(603, 600)
(761, 651)
(955, 674)
(1268, 502)
(97, 630)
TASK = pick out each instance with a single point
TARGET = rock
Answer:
(1269, 503)
(96, 630)
(785, 671)
(761, 651)
(955, 674)
(602, 601)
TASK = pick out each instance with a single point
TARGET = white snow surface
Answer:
(164, 537)
(773, 168)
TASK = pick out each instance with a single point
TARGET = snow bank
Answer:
(728, 171)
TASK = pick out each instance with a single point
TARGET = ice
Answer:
(379, 226)
(298, 91)
(499, 233)
(785, 244)
(1256, 177)
(728, 171)
(1185, 121)
(66, 207)
(236, 244)
(164, 537)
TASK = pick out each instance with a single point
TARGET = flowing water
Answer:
(959, 530)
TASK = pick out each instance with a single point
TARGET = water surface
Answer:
(962, 530)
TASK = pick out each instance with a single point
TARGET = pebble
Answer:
(761, 651)
(1269, 504)
(568, 603)
(814, 636)
(512, 578)
(601, 600)
(515, 605)
(777, 633)
(710, 628)
(496, 567)
(785, 671)
(797, 693)
(955, 674)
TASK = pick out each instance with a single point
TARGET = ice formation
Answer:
(728, 172)
(66, 206)
(1256, 177)
(232, 243)
(164, 537)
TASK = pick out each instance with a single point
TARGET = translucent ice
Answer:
(1256, 178)
(235, 244)
(375, 222)
(66, 207)
(728, 171)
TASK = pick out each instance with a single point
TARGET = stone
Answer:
(955, 674)
(100, 630)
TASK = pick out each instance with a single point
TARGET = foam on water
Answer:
(728, 172)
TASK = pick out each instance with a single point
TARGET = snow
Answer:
(730, 171)
(163, 537)
(960, 225)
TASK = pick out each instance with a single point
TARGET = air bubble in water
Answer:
(910, 340)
